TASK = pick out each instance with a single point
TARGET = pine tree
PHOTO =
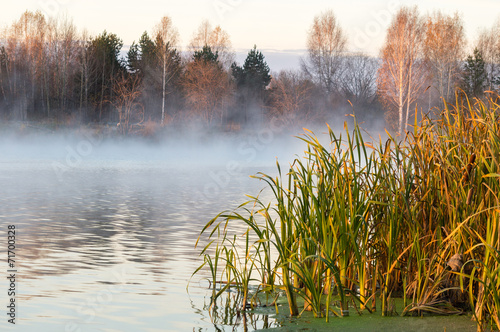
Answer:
(254, 74)
(207, 55)
(147, 47)
(107, 66)
(251, 80)
(474, 74)
(134, 59)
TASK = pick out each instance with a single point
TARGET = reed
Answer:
(356, 222)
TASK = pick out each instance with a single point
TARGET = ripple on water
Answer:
(118, 235)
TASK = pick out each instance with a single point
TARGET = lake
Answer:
(105, 232)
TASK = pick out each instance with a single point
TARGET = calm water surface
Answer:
(108, 244)
(105, 242)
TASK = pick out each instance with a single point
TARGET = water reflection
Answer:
(110, 246)
(226, 313)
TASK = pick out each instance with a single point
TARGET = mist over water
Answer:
(194, 148)
(106, 227)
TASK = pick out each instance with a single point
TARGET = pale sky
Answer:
(279, 25)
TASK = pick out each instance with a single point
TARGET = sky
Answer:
(278, 27)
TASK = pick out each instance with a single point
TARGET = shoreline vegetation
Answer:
(357, 223)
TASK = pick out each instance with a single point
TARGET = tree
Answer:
(401, 73)
(8, 53)
(149, 66)
(217, 39)
(25, 52)
(64, 51)
(4, 59)
(134, 59)
(166, 37)
(358, 81)
(474, 75)
(104, 50)
(208, 87)
(40, 67)
(255, 72)
(207, 56)
(160, 67)
(251, 79)
(148, 56)
(292, 96)
(443, 49)
(326, 44)
(7, 65)
(127, 91)
(489, 46)
(86, 65)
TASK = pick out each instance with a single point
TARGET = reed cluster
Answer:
(354, 224)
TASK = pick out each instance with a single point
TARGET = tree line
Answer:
(424, 57)
(50, 70)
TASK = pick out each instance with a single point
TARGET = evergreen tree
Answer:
(251, 81)
(474, 74)
(207, 55)
(147, 47)
(134, 59)
(107, 66)
(145, 55)
(254, 74)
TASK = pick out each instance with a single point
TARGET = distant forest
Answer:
(50, 71)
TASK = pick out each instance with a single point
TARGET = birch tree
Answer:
(85, 66)
(63, 52)
(444, 44)
(488, 45)
(30, 34)
(402, 72)
(326, 44)
(167, 37)
(217, 39)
